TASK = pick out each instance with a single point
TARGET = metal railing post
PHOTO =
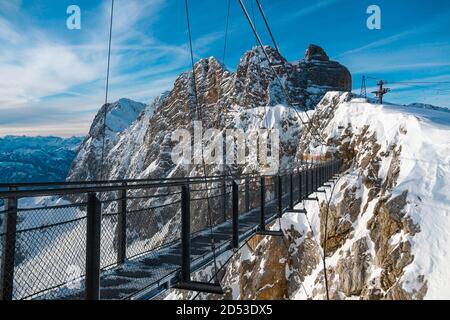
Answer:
(247, 195)
(291, 192)
(262, 220)
(310, 181)
(185, 234)
(300, 189)
(93, 230)
(280, 196)
(9, 248)
(235, 195)
(122, 227)
(224, 192)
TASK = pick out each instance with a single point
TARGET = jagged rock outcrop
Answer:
(119, 116)
(323, 74)
(314, 52)
(385, 233)
(141, 147)
(227, 100)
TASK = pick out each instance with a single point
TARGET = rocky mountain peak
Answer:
(315, 52)
(134, 150)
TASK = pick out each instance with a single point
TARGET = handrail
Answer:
(117, 185)
(89, 221)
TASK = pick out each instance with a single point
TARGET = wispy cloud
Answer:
(318, 5)
(408, 58)
(48, 79)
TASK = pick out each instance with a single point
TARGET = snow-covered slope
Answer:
(119, 116)
(399, 165)
(388, 223)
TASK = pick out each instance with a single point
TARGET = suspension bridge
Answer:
(135, 239)
(97, 230)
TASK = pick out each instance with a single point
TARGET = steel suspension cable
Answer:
(267, 25)
(107, 90)
(311, 125)
(226, 33)
(287, 95)
(199, 113)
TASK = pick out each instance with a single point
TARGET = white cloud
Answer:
(48, 80)
(408, 58)
(43, 70)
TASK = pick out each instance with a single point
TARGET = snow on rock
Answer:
(388, 223)
(119, 116)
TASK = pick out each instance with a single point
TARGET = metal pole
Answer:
(9, 248)
(93, 230)
(185, 234)
(247, 195)
(235, 194)
(300, 188)
(122, 227)
(280, 196)
(224, 192)
(262, 221)
(291, 192)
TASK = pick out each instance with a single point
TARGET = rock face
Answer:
(314, 52)
(140, 146)
(386, 239)
(119, 116)
(323, 73)
(139, 149)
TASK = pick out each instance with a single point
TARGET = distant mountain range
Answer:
(36, 159)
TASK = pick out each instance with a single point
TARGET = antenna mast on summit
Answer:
(363, 87)
(381, 90)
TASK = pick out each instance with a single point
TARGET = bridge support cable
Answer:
(277, 77)
(262, 231)
(185, 279)
(310, 123)
(224, 54)
(199, 116)
(107, 91)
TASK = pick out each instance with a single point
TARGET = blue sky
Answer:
(52, 79)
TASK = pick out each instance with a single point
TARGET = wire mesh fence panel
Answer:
(228, 200)
(255, 193)
(271, 203)
(244, 197)
(108, 243)
(286, 191)
(207, 205)
(50, 249)
(303, 184)
(296, 186)
(152, 221)
(2, 217)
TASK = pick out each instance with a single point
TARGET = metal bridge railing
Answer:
(58, 239)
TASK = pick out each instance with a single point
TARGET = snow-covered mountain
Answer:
(36, 159)
(427, 106)
(228, 99)
(387, 228)
(387, 225)
(119, 116)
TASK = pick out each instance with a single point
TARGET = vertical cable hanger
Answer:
(199, 116)
(224, 54)
(107, 91)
